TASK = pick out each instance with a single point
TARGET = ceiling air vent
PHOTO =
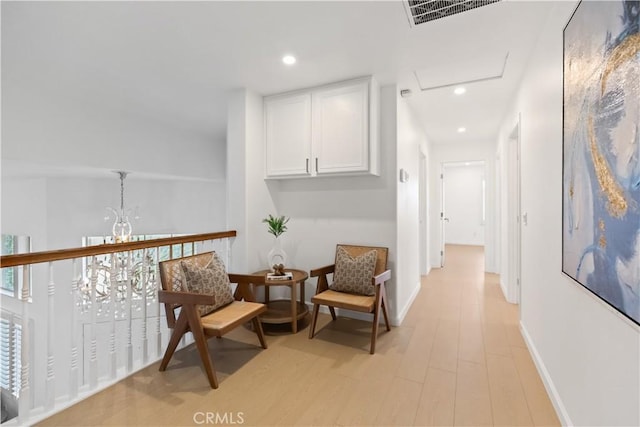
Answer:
(421, 11)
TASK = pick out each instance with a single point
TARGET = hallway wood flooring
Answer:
(457, 359)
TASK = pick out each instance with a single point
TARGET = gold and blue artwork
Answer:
(601, 152)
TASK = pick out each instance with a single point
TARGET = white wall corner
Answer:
(558, 405)
(399, 317)
(503, 287)
(236, 179)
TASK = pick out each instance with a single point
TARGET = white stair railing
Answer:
(90, 321)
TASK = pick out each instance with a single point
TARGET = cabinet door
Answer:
(341, 128)
(288, 135)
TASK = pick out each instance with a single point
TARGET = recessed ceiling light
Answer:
(462, 129)
(459, 90)
(289, 59)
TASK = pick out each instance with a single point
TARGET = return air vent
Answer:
(421, 11)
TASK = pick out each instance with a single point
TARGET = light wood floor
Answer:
(458, 359)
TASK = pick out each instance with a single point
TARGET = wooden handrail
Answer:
(60, 254)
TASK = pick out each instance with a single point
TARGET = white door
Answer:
(287, 122)
(341, 129)
(465, 190)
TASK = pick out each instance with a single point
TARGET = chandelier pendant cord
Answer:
(123, 175)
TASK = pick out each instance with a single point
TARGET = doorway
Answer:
(514, 218)
(423, 218)
(463, 205)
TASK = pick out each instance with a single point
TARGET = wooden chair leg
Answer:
(333, 312)
(314, 318)
(374, 329)
(257, 326)
(376, 319)
(386, 316)
(179, 330)
(201, 343)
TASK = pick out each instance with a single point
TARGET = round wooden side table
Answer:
(282, 310)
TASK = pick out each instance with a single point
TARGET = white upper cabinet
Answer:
(341, 129)
(329, 130)
(288, 135)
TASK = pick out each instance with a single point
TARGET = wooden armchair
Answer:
(214, 324)
(349, 300)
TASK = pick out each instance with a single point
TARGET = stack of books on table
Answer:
(273, 276)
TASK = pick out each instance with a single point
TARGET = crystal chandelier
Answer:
(117, 283)
(121, 230)
(112, 281)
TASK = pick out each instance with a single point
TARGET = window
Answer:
(12, 276)
(9, 274)
(164, 252)
(140, 268)
(10, 351)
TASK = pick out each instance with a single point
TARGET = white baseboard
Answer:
(561, 411)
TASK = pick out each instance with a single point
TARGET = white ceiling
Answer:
(175, 62)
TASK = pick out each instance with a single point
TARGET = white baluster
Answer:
(129, 306)
(93, 351)
(24, 405)
(156, 262)
(51, 332)
(145, 280)
(113, 295)
(73, 371)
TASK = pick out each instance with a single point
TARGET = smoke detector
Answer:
(405, 93)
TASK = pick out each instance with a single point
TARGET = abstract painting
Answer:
(601, 152)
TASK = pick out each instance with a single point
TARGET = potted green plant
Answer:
(277, 224)
(276, 257)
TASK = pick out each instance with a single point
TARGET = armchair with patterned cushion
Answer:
(201, 288)
(359, 276)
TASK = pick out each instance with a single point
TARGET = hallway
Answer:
(478, 361)
(458, 359)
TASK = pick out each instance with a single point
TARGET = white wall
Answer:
(236, 167)
(464, 204)
(412, 142)
(49, 118)
(449, 153)
(588, 354)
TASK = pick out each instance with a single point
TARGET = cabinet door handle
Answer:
(307, 165)
(316, 165)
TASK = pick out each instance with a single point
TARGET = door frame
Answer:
(443, 214)
(513, 185)
(443, 218)
(423, 209)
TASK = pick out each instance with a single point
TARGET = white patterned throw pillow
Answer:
(354, 274)
(212, 279)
